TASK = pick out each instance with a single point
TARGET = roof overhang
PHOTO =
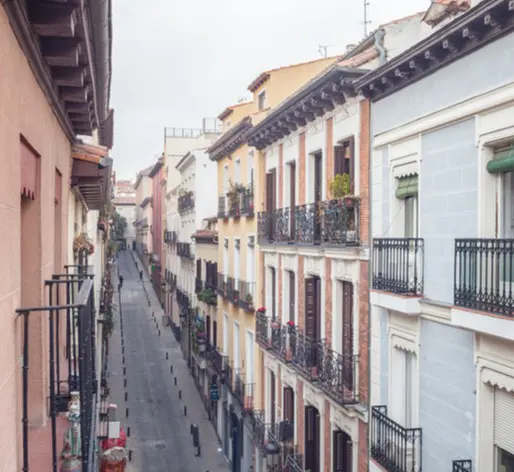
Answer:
(258, 81)
(156, 168)
(225, 113)
(91, 174)
(68, 47)
(318, 97)
(231, 140)
(483, 24)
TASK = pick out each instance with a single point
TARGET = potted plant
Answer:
(249, 300)
(81, 242)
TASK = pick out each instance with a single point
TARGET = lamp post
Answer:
(272, 456)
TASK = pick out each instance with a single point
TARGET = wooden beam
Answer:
(77, 107)
(62, 52)
(56, 20)
(68, 76)
(73, 94)
(80, 118)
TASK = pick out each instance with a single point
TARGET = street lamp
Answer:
(272, 456)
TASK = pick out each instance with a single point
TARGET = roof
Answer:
(156, 167)
(441, 9)
(205, 236)
(263, 76)
(230, 140)
(89, 152)
(141, 174)
(229, 110)
(467, 33)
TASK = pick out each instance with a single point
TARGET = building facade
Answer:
(156, 229)
(144, 216)
(241, 396)
(44, 108)
(442, 343)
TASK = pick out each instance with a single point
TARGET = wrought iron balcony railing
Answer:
(294, 463)
(462, 466)
(184, 250)
(234, 206)
(484, 275)
(228, 369)
(218, 361)
(244, 391)
(245, 291)
(264, 433)
(232, 292)
(247, 203)
(222, 206)
(183, 299)
(332, 222)
(198, 285)
(395, 448)
(334, 373)
(186, 203)
(70, 305)
(170, 237)
(398, 265)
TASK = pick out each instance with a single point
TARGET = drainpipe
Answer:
(379, 46)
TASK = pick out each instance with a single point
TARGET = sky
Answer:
(176, 62)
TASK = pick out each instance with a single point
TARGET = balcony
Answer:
(170, 237)
(198, 285)
(222, 206)
(207, 292)
(395, 448)
(462, 466)
(232, 293)
(184, 251)
(484, 275)
(186, 202)
(234, 206)
(183, 299)
(264, 433)
(398, 266)
(218, 361)
(332, 372)
(244, 392)
(228, 369)
(71, 364)
(332, 223)
(247, 202)
(245, 291)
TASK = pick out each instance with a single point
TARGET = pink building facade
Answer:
(157, 266)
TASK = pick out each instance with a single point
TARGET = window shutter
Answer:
(292, 295)
(269, 192)
(215, 274)
(272, 397)
(199, 268)
(339, 160)
(289, 404)
(273, 293)
(208, 326)
(215, 333)
(351, 170)
(343, 452)
(503, 424)
(310, 308)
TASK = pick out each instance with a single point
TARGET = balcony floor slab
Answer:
(399, 303)
(494, 325)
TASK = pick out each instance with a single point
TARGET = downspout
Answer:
(379, 46)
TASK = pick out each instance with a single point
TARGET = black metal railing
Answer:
(222, 206)
(234, 205)
(484, 275)
(245, 291)
(183, 299)
(70, 305)
(262, 329)
(244, 391)
(332, 222)
(228, 368)
(394, 447)
(294, 463)
(186, 202)
(170, 237)
(247, 202)
(264, 433)
(462, 466)
(184, 250)
(398, 265)
(222, 285)
(198, 285)
(218, 360)
(232, 292)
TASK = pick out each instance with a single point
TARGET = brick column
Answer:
(279, 392)
(300, 417)
(329, 152)
(279, 286)
(363, 447)
(364, 144)
(301, 292)
(363, 307)
(280, 176)
(328, 438)
(301, 170)
(328, 301)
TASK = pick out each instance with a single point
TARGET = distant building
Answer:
(125, 202)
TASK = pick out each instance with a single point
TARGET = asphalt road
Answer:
(160, 438)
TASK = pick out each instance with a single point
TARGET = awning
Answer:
(503, 161)
(407, 187)
(91, 173)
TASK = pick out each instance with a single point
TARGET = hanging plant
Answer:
(81, 242)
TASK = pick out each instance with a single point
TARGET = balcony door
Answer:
(402, 387)
(312, 439)
(292, 201)
(313, 307)
(342, 457)
(318, 186)
(271, 201)
(506, 263)
(347, 333)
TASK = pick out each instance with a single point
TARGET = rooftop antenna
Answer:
(367, 21)
(322, 49)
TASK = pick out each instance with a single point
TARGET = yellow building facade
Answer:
(240, 291)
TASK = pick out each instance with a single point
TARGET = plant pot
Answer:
(349, 202)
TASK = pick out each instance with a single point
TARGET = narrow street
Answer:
(160, 438)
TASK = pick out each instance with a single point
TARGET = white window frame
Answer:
(264, 105)
(237, 171)
(250, 350)
(237, 260)
(236, 345)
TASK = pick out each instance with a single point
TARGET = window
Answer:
(225, 179)
(504, 430)
(344, 161)
(249, 357)
(225, 333)
(237, 171)
(250, 168)
(507, 210)
(236, 357)
(237, 259)
(273, 282)
(291, 309)
(407, 190)
(402, 381)
(262, 100)
(225, 258)
(250, 264)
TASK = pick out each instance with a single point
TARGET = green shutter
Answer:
(407, 187)
(503, 161)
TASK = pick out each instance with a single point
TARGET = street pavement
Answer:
(160, 438)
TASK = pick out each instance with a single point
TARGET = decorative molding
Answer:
(497, 379)
(313, 266)
(289, 377)
(314, 397)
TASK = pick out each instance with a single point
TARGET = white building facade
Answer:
(442, 179)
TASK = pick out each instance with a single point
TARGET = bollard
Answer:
(167, 356)
(175, 380)
(126, 396)
(124, 371)
(159, 332)
(180, 394)
(128, 431)
(130, 455)
(125, 382)
(126, 412)
(185, 410)
(123, 349)
(171, 368)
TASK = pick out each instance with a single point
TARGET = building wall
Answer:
(129, 213)
(206, 178)
(157, 234)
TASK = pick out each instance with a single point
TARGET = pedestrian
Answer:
(121, 281)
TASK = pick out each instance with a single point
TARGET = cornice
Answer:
(231, 140)
(483, 24)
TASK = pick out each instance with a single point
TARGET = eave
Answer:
(483, 24)
(317, 98)
(64, 49)
(231, 140)
(145, 202)
(225, 113)
(258, 81)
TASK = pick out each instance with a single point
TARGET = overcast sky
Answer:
(175, 62)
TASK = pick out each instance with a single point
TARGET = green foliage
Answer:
(208, 296)
(120, 225)
(340, 186)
